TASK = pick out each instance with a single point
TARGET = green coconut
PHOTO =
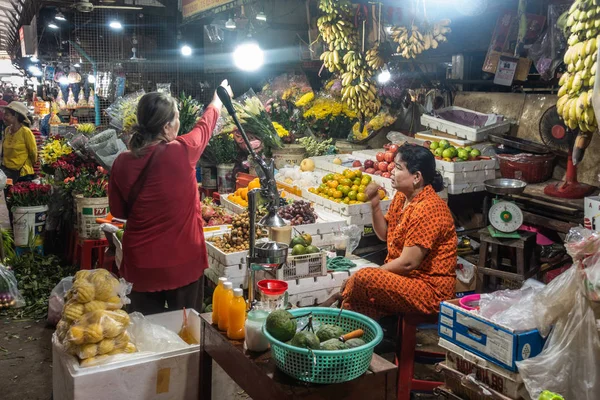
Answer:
(281, 325)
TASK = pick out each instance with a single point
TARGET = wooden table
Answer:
(258, 376)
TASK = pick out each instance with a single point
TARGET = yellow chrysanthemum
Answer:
(305, 99)
(281, 131)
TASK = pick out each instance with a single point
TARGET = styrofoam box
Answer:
(462, 131)
(231, 206)
(169, 375)
(466, 166)
(499, 379)
(472, 177)
(466, 188)
(494, 342)
(345, 210)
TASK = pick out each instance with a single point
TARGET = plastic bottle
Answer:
(215, 300)
(255, 339)
(237, 315)
(224, 305)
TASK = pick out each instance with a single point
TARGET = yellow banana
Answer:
(560, 104)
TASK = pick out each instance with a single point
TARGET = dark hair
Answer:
(20, 117)
(418, 158)
(154, 111)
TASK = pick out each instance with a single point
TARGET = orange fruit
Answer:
(323, 186)
(352, 195)
(333, 184)
(338, 194)
(361, 189)
(349, 174)
(346, 182)
(381, 194)
(355, 188)
(356, 181)
(358, 173)
(338, 177)
(345, 190)
(339, 187)
(346, 201)
(312, 190)
(337, 200)
(365, 180)
(352, 202)
(361, 197)
(330, 192)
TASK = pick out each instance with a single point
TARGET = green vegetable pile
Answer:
(37, 275)
(316, 148)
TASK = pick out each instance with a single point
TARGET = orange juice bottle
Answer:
(224, 305)
(237, 316)
(215, 300)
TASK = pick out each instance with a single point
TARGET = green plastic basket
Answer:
(321, 366)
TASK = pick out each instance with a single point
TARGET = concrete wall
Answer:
(526, 110)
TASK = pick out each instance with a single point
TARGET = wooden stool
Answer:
(490, 263)
(406, 354)
(85, 249)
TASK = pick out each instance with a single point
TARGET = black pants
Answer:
(189, 296)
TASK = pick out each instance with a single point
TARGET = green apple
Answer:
(448, 153)
(439, 151)
(444, 144)
(475, 153)
(468, 148)
(463, 154)
(434, 145)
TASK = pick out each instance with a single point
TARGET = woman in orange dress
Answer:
(419, 271)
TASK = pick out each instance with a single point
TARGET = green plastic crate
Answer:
(320, 366)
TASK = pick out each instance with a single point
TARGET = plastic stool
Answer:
(85, 249)
(406, 354)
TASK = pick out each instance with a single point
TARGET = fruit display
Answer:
(574, 103)
(302, 244)
(298, 177)
(345, 57)
(93, 325)
(239, 238)
(240, 196)
(299, 212)
(347, 187)
(214, 215)
(413, 40)
(443, 150)
(383, 165)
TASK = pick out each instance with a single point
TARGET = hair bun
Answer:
(438, 182)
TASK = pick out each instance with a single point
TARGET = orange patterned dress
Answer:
(426, 222)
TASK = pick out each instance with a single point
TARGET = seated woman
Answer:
(419, 271)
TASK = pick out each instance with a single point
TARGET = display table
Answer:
(258, 376)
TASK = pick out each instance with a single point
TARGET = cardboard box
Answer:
(591, 213)
(169, 375)
(499, 344)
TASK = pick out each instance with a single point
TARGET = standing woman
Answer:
(154, 187)
(19, 149)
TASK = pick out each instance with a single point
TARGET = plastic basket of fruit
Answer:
(304, 266)
(314, 353)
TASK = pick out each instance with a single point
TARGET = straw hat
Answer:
(20, 108)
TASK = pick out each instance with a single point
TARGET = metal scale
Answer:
(263, 258)
(505, 216)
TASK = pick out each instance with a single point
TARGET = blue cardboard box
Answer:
(496, 343)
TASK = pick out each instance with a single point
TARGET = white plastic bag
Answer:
(10, 297)
(2, 180)
(148, 336)
(354, 235)
(569, 362)
(591, 278)
(56, 301)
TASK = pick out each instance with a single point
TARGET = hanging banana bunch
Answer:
(574, 103)
(355, 68)
(414, 41)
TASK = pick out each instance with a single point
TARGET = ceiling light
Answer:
(34, 59)
(63, 80)
(116, 25)
(388, 29)
(60, 16)
(35, 70)
(261, 16)
(230, 24)
(77, 65)
(52, 25)
(91, 78)
(186, 50)
(384, 76)
(248, 56)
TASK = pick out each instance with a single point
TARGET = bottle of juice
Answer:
(224, 305)
(215, 300)
(237, 316)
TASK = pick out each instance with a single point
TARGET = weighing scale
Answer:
(505, 216)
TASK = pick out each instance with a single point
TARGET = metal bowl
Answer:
(505, 186)
(271, 254)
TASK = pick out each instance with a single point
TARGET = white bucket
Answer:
(225, 178)
(88, 210)
(291, 154)
(27, 220)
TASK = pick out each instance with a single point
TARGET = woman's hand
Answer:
(216, 101)
(372, 192)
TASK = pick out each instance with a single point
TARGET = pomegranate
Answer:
(380, 156)
(383, 166)
(388, 156)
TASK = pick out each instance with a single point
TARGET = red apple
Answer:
(386, 175)
(393, 148)
(391, 166)
(377, 173)
(380, 156)
(370, 170)
(362, 169)
(389, 156)
(369, 164)
(383, 166)
(356, 163)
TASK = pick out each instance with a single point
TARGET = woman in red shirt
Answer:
(154, 187)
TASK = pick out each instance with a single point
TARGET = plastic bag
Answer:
(464, 271)
(56, 301)
(148, 336)
(547, 52)
(512, 308)
(354, 235)
(569, 362)
(2, 180)
(581, 242)
(10, 297)
(185, 333)
(590, 283)
(106, 147)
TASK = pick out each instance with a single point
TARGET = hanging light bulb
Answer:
(248, 56)
(384, 76)
(115, 25)
(60, 16)
(52, 25)
(186, 50)
(230, 24)
(261, 16)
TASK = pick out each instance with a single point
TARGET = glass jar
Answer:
(255, 339)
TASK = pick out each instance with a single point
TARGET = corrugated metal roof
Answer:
(9, 19)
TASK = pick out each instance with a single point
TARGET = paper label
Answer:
(499, 344)
(446, 321)
(163, 378)
(302, 268)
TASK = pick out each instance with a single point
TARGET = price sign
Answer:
(507, 66)
(302, 268)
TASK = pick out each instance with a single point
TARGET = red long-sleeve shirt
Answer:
(163, 246)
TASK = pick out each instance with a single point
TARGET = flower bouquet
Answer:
(123, 112)
(54, 149)
(328, 117)
(88, 185)
(374, 125)
(189, 112)
(256, 122)
(28, 194)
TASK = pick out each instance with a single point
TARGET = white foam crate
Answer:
(462, 131)
(231, 206)
(466, 188)
(346, 210)
(472, 177)
(140, 376)
(228, 259)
